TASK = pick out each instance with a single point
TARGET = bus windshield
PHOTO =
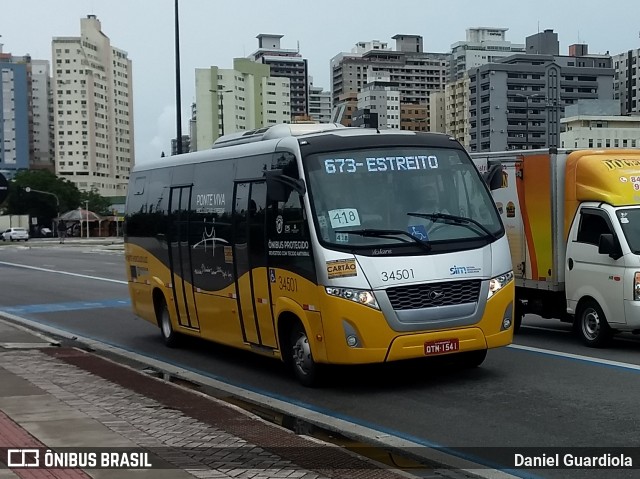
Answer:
(373, 197)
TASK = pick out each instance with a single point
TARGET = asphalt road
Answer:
(545, 391)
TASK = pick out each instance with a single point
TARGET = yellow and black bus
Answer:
(320, 244)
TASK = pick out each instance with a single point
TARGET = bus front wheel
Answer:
(169, 336)
(304, 366)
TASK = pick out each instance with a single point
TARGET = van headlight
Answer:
(360, 296)
(499, 282)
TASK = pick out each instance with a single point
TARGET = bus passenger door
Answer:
(180, 257)
(250, 263)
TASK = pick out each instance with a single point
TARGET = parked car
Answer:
(46, 232)
(15, 234)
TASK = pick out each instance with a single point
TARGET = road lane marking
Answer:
(97, 278)
(577, 357)
(71, 306)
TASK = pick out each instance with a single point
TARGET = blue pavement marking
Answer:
(57, 307)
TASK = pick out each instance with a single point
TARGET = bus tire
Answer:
(169, 336)
(592, 325)
(473, 359)
(305, 368)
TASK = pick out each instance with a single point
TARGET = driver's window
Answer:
(592, 225)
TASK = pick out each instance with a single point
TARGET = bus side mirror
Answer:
(608, 245)
(280, 186)
(493, 176)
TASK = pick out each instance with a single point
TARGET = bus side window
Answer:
(293, 216)
(136, 208)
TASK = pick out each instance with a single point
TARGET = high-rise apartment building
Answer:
(42, 109)
(437, 112)
(287, 63)
(456, 113)
(543, 43)
(319, 104)
(416, 72)
(627, 81)
(93, 110)
(185, 147)
(234, 100)
(483, 45)
(382, 97)
(16, 123)
(518, 102)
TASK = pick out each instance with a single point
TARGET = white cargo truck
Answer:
(573, 223)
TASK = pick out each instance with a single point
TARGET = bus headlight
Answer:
(497, 283)
(636, 286)
(360, 296)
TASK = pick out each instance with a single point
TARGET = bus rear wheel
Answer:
(169, 336)
(304, 366)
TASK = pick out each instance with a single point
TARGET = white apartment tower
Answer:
(319, 104)
(483, 45)
(93, 111)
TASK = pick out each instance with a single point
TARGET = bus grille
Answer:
(434, 294)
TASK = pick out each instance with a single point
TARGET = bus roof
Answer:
(265, 140)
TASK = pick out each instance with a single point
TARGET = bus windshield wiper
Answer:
(390, 234)
(454, 219)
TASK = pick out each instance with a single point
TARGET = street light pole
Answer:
(86, 210)
(178, 106)
(28, 189)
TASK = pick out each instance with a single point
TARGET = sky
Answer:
(213, 32)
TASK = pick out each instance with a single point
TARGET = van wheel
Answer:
(304, 367)
(472, 359)
(593, 328)
(169, 336)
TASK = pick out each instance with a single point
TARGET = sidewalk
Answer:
(59, 397)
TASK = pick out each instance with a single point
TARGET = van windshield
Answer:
(434, 194)
(629, 219)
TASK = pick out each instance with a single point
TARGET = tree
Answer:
(41, 206)
(98, 204)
